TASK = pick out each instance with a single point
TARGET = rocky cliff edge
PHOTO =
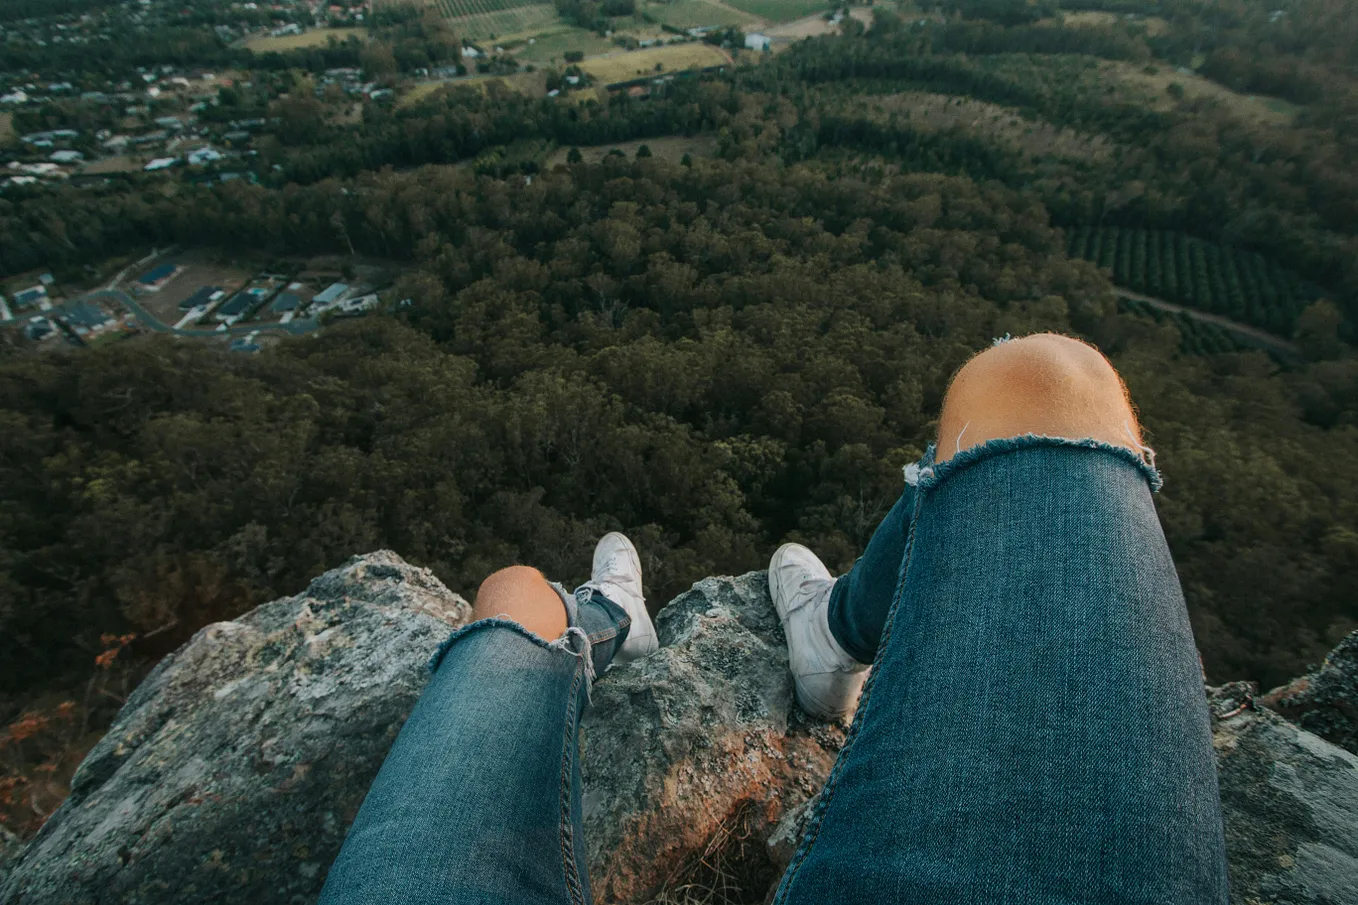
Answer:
(235, 768)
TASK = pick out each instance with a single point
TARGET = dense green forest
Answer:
(717, 354)
(711, 357)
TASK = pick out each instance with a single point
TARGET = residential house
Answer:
(285, 302)
(156, 279)
(330, 295)
(30, 297)
(235, 307)
(204, 297)
(84, 318)
(362, 303)
(39, 328)
(204, 156)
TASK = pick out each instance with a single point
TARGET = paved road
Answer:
(1263, 337)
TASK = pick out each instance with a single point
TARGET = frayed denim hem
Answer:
(924, 474)
(574, 642)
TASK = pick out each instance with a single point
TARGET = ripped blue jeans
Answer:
(1034, 730)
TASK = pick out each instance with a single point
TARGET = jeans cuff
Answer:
(926, 475)
(574, 641)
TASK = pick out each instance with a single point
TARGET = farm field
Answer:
(1220, 279)
(814, 25)
(623, 67)
(458, 9)
(1196, 336)
(549, 46)
(7, 128)
(520, 20)
(781, 10)
(695, 13)
(1253, 108)
(317, 37)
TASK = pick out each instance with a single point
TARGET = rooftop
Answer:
(236, 305)
(202, 297)
(83, 314)
(164, 271)
(331, 294)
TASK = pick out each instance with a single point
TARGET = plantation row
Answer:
(456, 9)
(488, 26)
(1196, 337)
(1238, 284)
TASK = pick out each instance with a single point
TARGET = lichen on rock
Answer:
(235, 768)
(1326, 701)
(1290, 804)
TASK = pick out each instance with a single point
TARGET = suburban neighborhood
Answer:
(192, 295)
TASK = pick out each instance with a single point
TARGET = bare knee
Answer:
(522, 594)
(1046, 384)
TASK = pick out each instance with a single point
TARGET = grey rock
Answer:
(10, 848)
(1326, 701)
(234, 770)
(1290, 803)
(691, 756)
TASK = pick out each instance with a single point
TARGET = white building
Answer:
(161, 163)
(757, 42)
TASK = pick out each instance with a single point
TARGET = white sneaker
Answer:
(617, 576)
(827, 679)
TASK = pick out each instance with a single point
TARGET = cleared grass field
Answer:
(318, 37)
(623, 67)
(7, 135)
(1155, 26)
(549, 46)
(672, 149)
(420, 92)
(781, 10)
(695, 13)
(1270, 111)
(532, 84)
(930, 113)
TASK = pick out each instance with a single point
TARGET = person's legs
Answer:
(1011, 390)
(479, 799)
(1034, 729)
(861, 598)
